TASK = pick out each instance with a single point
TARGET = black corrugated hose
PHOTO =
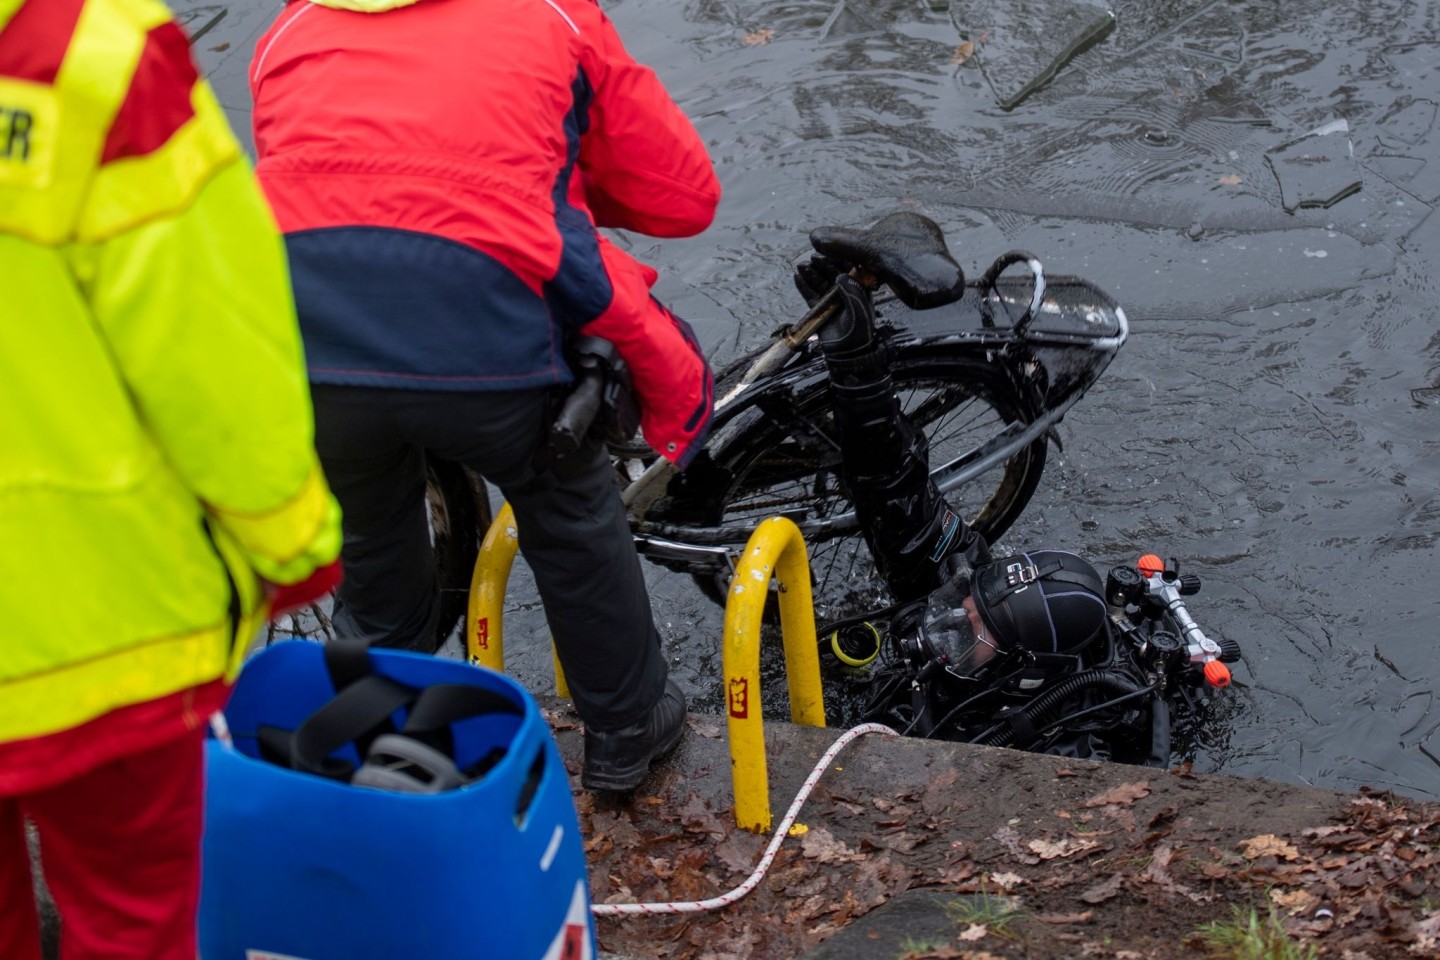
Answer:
(1046, 708)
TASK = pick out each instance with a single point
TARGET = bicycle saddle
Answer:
(905, 250)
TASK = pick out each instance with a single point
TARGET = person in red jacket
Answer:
(440, 170)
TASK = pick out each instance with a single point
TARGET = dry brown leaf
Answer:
(559, 719)
(1006, 881)
(822, 846)
(1064, 847)
(1268, 845)
(1123, 794)
(738, 852)
(1296, 901)
(976, 931)
(1010, 840)
(957, 873)
(708, 729)
(1163, 816)
(809, 908)
(759, 38)
(869, 884)
(1414, 886)
(697, 817)
(1105, 890)
(1159, 869)
(1427, 935)
(902, 842)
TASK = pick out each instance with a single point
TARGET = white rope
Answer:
(724, 900)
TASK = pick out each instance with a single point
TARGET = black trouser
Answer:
(571, 524)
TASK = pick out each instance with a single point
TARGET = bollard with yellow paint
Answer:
(485, 620)
(776, 548)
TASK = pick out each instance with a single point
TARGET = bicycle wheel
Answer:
(786, 462)
(459, 510)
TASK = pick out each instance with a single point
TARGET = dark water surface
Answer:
(1273, 420)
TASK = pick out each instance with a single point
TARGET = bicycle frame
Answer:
(1066, 336)
(646, 488)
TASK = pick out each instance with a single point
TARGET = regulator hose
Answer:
(1045, 709)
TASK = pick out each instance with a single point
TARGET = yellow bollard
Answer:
(775, 548)
(485, 621)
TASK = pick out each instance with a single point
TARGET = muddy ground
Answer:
(917, 850)
(914, 850)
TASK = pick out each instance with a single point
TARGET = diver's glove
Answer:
(848, 339)
(974, 548)
(816, 276)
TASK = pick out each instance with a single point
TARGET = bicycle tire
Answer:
(458, 507)
(958, 399)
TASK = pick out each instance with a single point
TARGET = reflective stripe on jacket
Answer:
(439, 170)
(155, 430)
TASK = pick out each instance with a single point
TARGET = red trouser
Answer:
(121, 853)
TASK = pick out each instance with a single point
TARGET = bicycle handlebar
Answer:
(598, 372)
(579, 411)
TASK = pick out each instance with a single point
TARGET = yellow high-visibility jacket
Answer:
(156, 435)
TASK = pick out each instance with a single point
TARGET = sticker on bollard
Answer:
(300, 863)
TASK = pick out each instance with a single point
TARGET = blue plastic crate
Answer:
(299, 866)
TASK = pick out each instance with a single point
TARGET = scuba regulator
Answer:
(1169, 639)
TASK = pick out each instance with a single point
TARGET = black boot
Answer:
(619, 759)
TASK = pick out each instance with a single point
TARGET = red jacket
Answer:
(440, 169)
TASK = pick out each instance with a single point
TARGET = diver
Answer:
(1022, 651)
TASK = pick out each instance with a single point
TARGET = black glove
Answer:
(816, 276)
(848, 338)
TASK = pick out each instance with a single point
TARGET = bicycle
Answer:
(985, 369)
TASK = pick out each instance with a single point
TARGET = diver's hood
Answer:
(1045, 601)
